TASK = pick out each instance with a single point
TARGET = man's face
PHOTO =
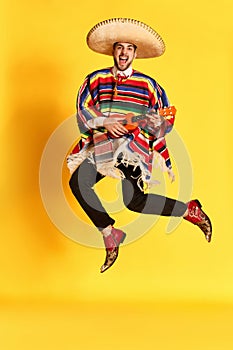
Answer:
(123, 55)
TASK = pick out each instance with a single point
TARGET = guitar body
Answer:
(129, 122)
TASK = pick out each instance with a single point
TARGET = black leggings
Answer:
(86, 176)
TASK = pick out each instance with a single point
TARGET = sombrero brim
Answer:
(104, 34)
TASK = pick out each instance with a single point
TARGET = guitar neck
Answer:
(165, 112)
(137, 118)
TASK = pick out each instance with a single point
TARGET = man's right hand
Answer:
(114, 126)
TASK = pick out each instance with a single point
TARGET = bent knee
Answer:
(131, 206)
(72, 182)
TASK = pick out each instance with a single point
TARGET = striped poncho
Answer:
(103, 95)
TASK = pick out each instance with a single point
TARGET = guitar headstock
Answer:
(167, 111)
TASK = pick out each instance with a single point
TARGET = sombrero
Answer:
(104, 34)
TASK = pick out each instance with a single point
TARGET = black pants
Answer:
(86, 176)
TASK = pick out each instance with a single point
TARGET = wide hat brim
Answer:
(104, 34)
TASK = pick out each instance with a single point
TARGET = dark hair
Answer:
(114, 45)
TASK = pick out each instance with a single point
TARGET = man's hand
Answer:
(156, 124)
(114, 126)
(154, 119)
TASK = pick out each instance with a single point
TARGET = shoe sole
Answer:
(123, 238)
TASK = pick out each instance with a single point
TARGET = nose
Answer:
(124, 50)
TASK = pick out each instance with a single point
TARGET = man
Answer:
(112, 144)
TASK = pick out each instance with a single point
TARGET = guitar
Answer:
(131, 121)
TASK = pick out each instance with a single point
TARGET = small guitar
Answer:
(131, 121)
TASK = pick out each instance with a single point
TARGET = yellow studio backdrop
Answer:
(166, 291)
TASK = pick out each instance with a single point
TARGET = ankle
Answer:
(107, 231)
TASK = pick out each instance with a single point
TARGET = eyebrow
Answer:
(129, 45)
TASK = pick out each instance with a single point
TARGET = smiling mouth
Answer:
(123, 60)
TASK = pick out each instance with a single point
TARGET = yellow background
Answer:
(165, 291)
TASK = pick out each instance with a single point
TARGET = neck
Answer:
(126, 72)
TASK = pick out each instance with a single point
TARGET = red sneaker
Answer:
(112, 242)
(197, 216)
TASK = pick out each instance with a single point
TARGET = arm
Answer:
(89, 116)
(167, 123)
(159, 121)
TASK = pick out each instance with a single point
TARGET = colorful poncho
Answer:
(103, 95)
